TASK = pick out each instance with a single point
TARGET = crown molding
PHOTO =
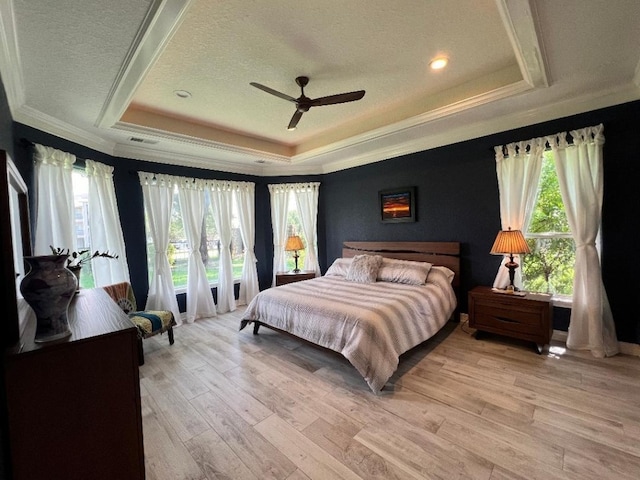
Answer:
(46, 123)
(420, 138)
(195, 161)
(426, 140)
(406, 127)
(520, 20)
(259, 167)
(161, 22)
(231, 152)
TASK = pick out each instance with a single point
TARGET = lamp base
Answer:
(511, 265)
(296, 256)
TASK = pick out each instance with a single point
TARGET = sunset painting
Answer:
(397, 205)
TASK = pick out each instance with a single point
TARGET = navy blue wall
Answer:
(457, 200)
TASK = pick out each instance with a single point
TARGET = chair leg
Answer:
(170, 333)
(140, 352)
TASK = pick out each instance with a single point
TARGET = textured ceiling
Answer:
(100, 73)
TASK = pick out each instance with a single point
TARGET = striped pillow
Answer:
(403, 271)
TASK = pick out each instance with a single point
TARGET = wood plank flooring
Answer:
(224, 404)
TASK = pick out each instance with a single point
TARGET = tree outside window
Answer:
(549, 267)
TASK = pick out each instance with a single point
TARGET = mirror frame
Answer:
(13, 185)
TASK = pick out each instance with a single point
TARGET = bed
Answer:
(404, 294)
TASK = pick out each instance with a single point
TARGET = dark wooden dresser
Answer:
(74, 405)
(527, 317)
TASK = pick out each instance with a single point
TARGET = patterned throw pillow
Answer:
(364, 268)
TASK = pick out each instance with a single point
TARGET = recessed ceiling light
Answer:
(182, 93)
(438, 63)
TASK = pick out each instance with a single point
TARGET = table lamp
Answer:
(294, 243)
(510, 242)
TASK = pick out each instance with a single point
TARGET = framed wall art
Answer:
(398, 205)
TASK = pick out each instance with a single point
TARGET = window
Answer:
(550, 265)
(178, 251)
(294, 227)
(81, 222)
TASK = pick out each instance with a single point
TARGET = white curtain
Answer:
(306, 196)
(245, 198)
(157, 192)
(104, 226)
(580, 175)
(518, 175)
(279, 207)
(199, 297)
(222, 203)
(54, 200)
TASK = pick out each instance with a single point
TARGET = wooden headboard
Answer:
(437, 253)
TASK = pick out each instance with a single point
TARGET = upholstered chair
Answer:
(148, 322)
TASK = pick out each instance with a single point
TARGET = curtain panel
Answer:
(105, 226)
(54, 200)
(518, 174)
(580, 174)
(245, 199)
(192, 203)
(157, 192)
(222, 201)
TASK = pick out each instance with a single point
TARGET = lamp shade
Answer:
(294, 242)
(509, 242)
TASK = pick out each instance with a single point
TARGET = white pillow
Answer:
(339, 267)
(440, 274)
(403, 271)
(364, 268)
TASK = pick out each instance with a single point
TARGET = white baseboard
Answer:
(625, 347)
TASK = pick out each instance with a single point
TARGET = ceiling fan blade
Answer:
(294, 120)
(339, 98)
(273, 92)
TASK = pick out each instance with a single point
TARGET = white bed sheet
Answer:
(369, 324)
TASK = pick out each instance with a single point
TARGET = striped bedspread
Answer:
(369, 324)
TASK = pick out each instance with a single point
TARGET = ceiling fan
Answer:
(304, 103)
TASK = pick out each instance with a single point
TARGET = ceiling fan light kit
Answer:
(304, 103)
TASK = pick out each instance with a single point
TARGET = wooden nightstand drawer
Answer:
(526, 317)
(507, 319)
(282, 278)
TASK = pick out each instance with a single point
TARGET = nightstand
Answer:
(526, 317)
(282, 278)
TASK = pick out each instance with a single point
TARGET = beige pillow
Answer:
(364, 268)
(403, 271)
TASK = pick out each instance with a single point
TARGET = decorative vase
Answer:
(76, 270)
(48, 288)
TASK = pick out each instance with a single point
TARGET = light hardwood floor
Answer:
(224, 404)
